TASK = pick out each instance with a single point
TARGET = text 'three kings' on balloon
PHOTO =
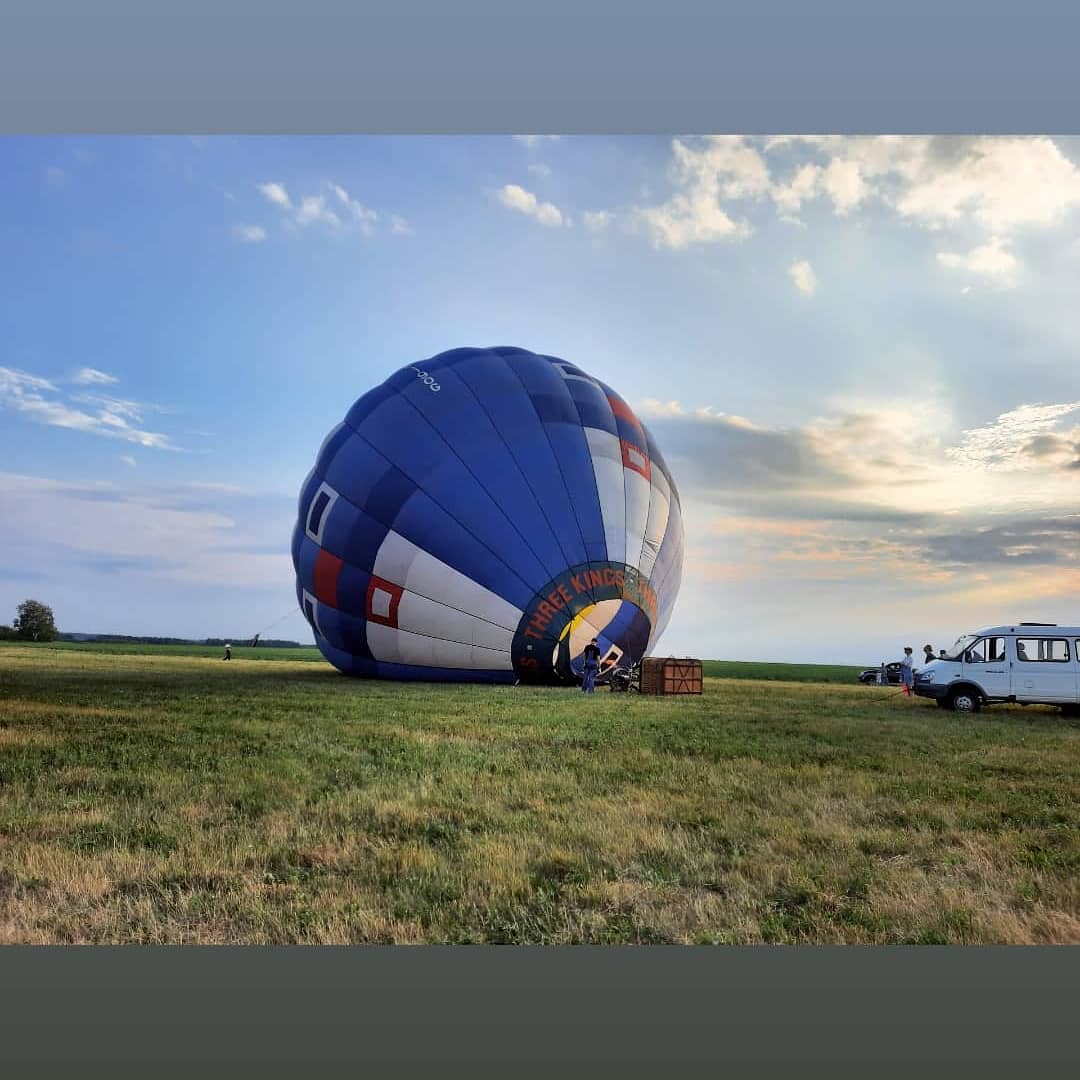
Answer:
(482, 516)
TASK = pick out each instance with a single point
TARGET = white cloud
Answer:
(525, 202)
(535, 140)
(13, 382)
(277, 194)
(597, 220)
(249, 234)
(89, 376)
(127, 459)
(803, 185)
(333, 207)
(802, 274)
(989, 260)
(1003, 183)
(726, 167)
(655, 409)
(400, 226)
(844, 184)
(998, 183)
(313, 208)
(538, 168)
(359, 213)
(1004, 443)
(111, 417)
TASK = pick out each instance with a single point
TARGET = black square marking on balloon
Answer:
(318, 508)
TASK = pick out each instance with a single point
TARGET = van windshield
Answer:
(962, 643)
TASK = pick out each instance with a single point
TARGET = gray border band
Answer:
(568, 66)
(649, 1011)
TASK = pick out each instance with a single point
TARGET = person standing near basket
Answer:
(591, 657)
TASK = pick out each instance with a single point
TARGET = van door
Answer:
(1044, 670)
(986, 664)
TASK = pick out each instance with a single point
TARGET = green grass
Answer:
(211, 652)
(815, 673)
(169, 798)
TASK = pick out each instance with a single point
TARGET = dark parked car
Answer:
(892, 673)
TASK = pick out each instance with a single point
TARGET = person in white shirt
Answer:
(906, 670)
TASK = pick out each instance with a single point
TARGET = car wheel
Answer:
(965, 701)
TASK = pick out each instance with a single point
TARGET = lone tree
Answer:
(34, 622)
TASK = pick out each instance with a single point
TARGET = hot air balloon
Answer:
(480, 517)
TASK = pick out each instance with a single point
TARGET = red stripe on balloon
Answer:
(327, 572)
(622, 410)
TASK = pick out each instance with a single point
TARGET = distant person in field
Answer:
(591, 656)
(906, 669)
(228, 652)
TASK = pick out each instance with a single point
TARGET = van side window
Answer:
(1042, 650)
(995, 650)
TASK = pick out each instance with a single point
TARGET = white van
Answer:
(1029, 663)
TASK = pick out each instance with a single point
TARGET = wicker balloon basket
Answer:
(671, 675)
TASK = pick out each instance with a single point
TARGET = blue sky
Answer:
(859, 354)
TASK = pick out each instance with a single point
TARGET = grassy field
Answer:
(158, 797)
(208, 652)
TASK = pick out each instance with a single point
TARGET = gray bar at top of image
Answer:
(145, 66)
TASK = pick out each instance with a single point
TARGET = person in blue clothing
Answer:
(591, 656)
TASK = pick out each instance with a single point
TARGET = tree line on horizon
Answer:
(34, 621)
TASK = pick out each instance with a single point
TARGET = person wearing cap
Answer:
(906, 670)
(591, 657)
(929, 651)
(228, 652)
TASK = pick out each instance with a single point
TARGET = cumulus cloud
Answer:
(803, 276)
(249, 234)
(990, 260)
(998, 183)
(724, 168)
(40, 400)
(276, 194)
(525, 202)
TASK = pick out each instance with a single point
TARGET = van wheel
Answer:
(964, 701)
